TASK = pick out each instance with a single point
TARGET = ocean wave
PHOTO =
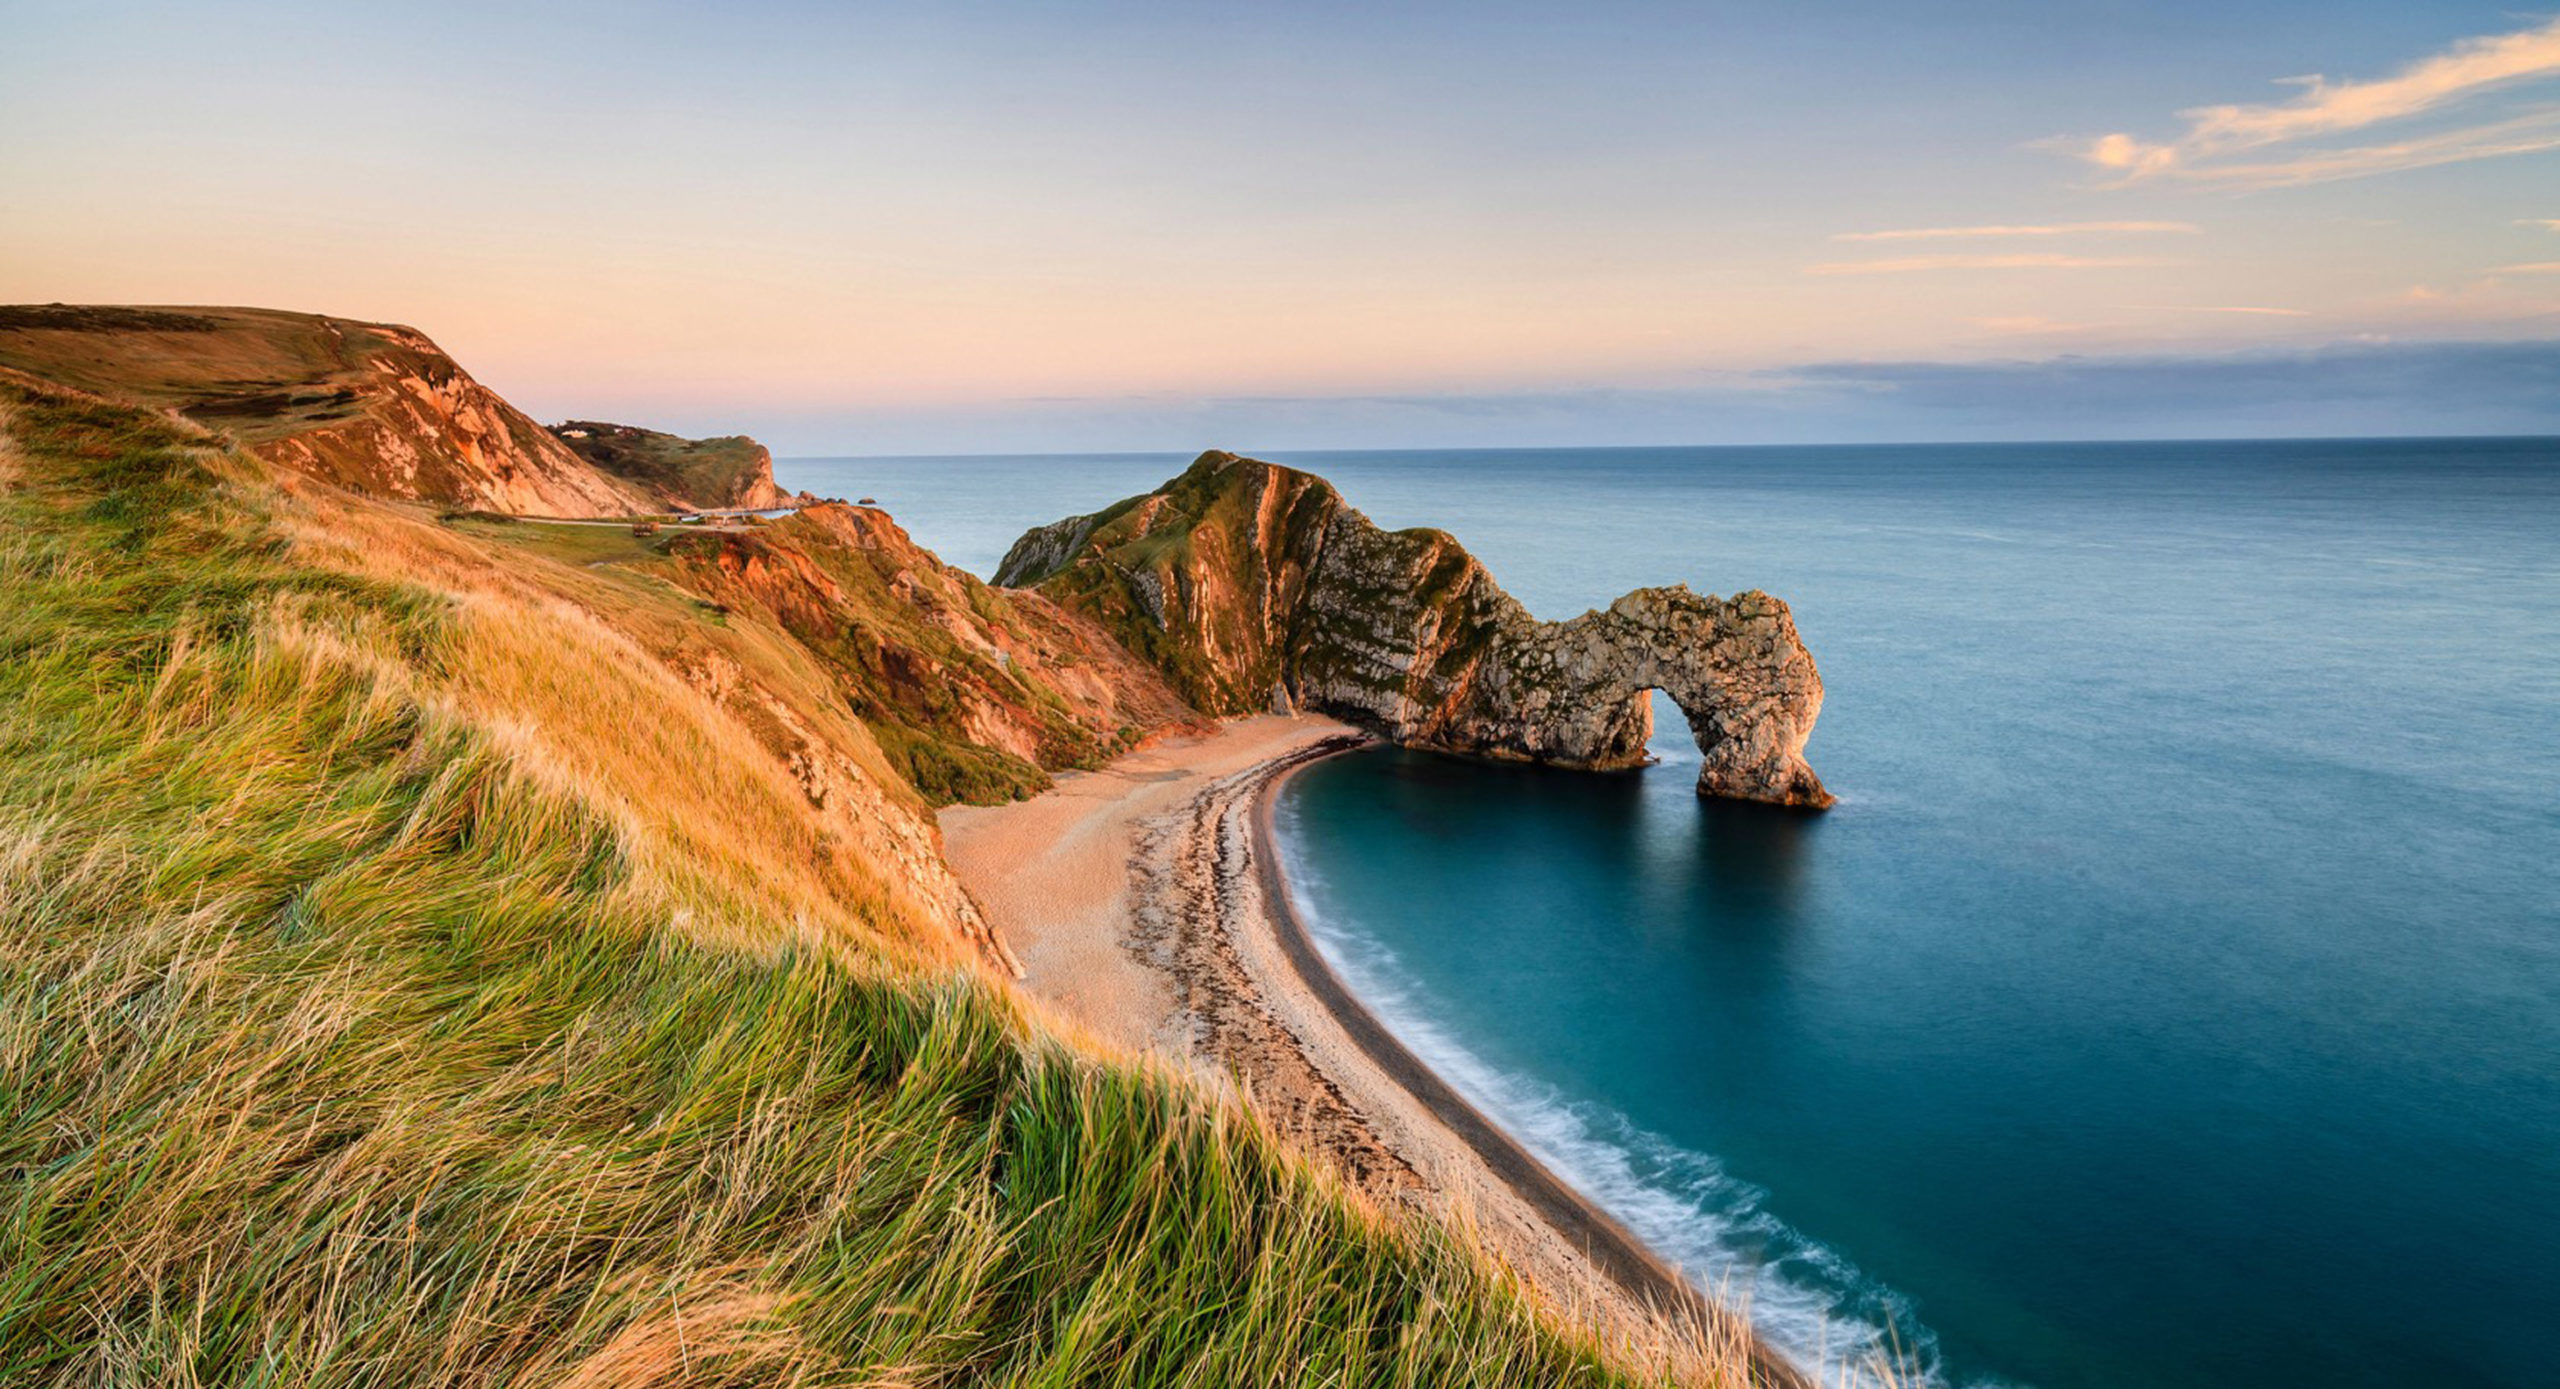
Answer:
(1802, 1296)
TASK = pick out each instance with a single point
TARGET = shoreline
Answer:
(1149, 904)
(1615, 1251)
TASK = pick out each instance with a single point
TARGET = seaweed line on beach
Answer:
(1192, 892)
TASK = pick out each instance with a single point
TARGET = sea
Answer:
(2172, 1001)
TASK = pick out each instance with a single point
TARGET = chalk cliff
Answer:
(1251, 584)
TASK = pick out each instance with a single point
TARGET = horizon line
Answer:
(1656, 448)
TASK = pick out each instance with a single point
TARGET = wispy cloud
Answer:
(1899, 265)
(2334, 388)
(2546, 223)
(2240, 308)
(2052, 229)
(2219, 140)
(2028, 325)
(2424, 387)
(2531, 267)
(2528, 134)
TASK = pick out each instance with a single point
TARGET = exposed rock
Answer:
(372, 407)
(974, 693)
(733, 471)
(1246, 582)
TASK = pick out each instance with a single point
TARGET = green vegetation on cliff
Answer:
(1250, 584)
(376, 1011)
(730, 471)
(973, 694)
(1202, 577)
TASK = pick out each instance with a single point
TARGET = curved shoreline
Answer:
(1603, 1240)
(1150, 908)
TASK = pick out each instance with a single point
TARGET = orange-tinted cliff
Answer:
(373, 407)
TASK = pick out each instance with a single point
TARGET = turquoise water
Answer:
(2172, 1000)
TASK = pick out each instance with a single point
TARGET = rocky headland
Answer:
(255, 528)
(1256, 586)
(732, 472)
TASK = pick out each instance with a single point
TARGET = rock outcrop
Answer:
(373, 407)
(731, 472)
(1251, 584)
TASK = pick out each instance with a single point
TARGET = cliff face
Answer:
(453, 947)
(372, 407)
(974, 694)
(1207, 576)
(1251, 584)
(686, 474)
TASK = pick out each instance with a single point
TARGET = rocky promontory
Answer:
(1253, 585)
(730, 472)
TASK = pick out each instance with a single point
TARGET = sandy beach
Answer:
(1148, 909)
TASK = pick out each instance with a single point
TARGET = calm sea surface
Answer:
(2173, 998)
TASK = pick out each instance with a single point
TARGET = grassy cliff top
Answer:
(259, 373)
(374, 407)
(729, 471)
(421, 963)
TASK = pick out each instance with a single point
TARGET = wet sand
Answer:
(1150, 912)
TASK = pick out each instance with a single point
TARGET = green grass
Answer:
(704, 472)
(569, 544)
(333, 1051)
(954, 771)
(902, 672)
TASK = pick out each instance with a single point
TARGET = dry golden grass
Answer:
(764, 815)
(420, 969)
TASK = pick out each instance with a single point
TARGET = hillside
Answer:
(477, 952)
(1253, 585)
(973, 694)
(690, 474)
(373, 407)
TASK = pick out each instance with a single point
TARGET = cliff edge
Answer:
(732, 471)
(373, 407)
(1252, 585)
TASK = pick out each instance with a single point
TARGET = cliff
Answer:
(733, 471)
(496, 951)
(968, 694)
(974, 694)
(373, 407)
(1251, 584)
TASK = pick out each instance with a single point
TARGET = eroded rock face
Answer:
(974, 694)
(373, 407)
(1251, 585)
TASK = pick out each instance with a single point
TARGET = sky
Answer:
(850, 228)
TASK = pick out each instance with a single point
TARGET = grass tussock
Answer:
(345, 1040)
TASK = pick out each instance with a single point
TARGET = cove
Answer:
(2173, 997)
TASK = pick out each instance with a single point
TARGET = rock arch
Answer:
(1573, 693)
(1735, 668)
(1253, 585)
